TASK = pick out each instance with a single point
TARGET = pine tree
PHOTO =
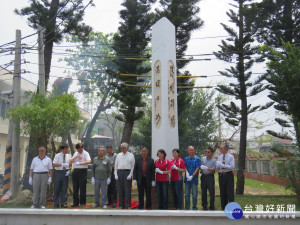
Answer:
(184, 16)
(131, 40)
(58, 18)
(239, 49)
(277, 20)
(278, 25)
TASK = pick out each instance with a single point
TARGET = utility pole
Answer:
(219, 117)
(8, 153)
(15, 164)
(41, 61)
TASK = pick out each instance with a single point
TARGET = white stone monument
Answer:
(164, 88)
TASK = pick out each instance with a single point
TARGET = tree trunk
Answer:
(244, 114)
(31, 153)
(288, 20)
(296, 123)
(127, 131)
(49, 38)
(242, 153)
(64, 139)
(87, 139)
(71, 144)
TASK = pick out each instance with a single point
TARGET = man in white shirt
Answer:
(40, 176)
(80, 160)
(225, 164)
(124, 166)
(61, 164)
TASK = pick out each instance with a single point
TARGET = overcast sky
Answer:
(104, 17)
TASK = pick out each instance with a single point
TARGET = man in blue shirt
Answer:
(192, 164)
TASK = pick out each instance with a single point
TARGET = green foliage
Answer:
(277, 20)
(93, 79)
(58, 18)
(142, 132)
(131, 40)
(239, 49)
(291, 170)
(202, 123)
(283, 74)
(46, 117)
(184, 16)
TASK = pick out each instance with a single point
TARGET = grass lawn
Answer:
(256, 192)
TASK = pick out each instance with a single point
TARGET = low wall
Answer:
(128, 217)
(264, 178)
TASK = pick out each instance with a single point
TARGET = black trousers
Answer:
(208, 183)
(112, 189)
(226, 183)
(124, 189)
(60, 188)
(144, 188)
(79, 179)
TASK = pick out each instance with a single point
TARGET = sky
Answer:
(104, 17)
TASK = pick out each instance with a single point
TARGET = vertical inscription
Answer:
(157, 94)
(171, 94)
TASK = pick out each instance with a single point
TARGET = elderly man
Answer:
(80, 160)
(61, 164)
(40, 176)
(144, 177)
(192, 164)
(112, 187)
(101, 170)
(225, 164)
(124, 166)
(208, 179)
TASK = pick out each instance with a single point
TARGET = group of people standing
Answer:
(113, 174)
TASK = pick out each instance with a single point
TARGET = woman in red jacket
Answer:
(162, 169)
(178, 166)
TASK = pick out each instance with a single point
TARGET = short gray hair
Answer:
(226, 145)
(125, 145)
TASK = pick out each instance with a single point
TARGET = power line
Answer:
(56, 26)
(12, 42)
(69, 21)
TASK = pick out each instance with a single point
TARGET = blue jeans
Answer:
(177, 187)
(162, 194)
(188, 187)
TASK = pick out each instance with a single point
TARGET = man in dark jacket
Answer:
(144, 177)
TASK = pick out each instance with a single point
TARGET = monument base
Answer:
(129, 217)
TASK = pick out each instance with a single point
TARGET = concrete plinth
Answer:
(128, 217)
